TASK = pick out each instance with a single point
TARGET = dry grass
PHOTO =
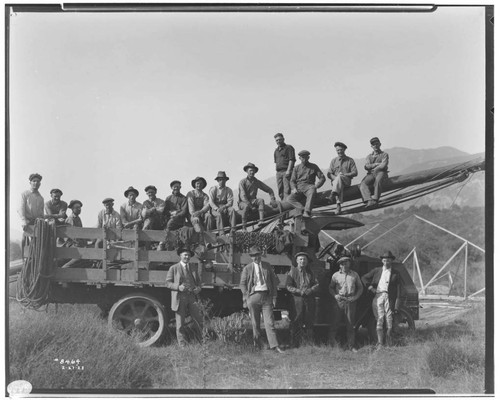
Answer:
(447, 358)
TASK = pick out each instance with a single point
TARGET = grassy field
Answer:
(447, 357)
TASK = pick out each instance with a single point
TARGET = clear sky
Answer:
(103, 101)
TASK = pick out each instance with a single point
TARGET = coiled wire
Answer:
(33, 283)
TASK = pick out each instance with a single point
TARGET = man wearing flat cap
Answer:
(302, 283)
(198, 204)
(303, 184)
(176, 208)
(342, 170)
(131, 211)
(74, 220)
(376, 166)
(221, 203)
(284, 158)
(185, 284)
(248, 188)
(56, 208)
(108, 218)
(259, 286)
(385, 283)
(31, 204)
(152, 210)
(346, 288)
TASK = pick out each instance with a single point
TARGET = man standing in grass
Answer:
(384, 283)
(346, 288)
(259, 286)
(185, 284)
(303, 285)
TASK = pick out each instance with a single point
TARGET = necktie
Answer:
(261, 276)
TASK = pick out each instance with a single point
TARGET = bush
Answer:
(443, 358)
(230, 328)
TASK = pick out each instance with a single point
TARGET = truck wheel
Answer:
(403, 321)
(139, 315)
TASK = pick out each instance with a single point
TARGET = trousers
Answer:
(262, 302)
(306, 193)
(382, 309)
(372, 181)
(344, 312)
(284, 188)
(187, 304)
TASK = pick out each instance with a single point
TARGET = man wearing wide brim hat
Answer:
(32, 203)
(385, 283)
(152, 210)
(376, 166)
(247, 195)
(259, 286)
(131, 211)
(176, 208)
(221, 204)
(303, 184)
(303, 284)
(342, 170)
(198, 204)
(346, 287)
(56, 208)
(185, 284)
(284, 158)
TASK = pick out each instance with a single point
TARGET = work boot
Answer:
(339, 209)
(306, 214)
(332, 198)
(380, 339)
(261, 217)
(389, 337)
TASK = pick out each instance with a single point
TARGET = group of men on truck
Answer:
(217, 208)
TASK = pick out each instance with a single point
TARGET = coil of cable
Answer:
(33, 283)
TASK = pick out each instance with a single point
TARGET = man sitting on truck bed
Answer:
(56, 208)
(108, 218)
(221, 200)
(131, 211)
(198, 204)
(152, 211)
(303, 187)
(248, 188)
(176, 208)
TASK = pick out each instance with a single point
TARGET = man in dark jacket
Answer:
(384, 283)
(185, 283)
(259, 286)
(303, 285)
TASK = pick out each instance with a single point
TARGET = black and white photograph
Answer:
(249, 199)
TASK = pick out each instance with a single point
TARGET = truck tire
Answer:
(141, 316)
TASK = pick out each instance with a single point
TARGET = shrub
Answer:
(443, 358)
(230, 328)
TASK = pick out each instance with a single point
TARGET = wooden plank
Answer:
(67, 231)
(79, 274)
(144, 236)
(78, 253)
(159, 256)
(158, 278)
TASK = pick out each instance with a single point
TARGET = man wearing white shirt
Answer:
(384, 283)
(259, 286)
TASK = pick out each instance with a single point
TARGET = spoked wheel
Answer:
(139, 315)
(403, 322)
